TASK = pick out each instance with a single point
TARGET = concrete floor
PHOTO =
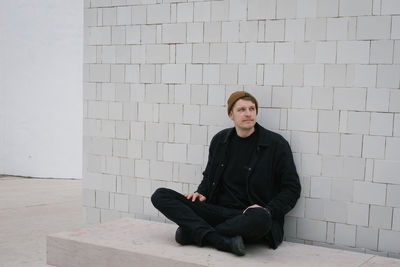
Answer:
(30, 209)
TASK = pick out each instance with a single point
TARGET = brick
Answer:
(377, 99)
(170, 113)
(195, 154)
(394, 105)
(137, 92)
(121, 202)
(108, 54)
(361, 76)
(102, 199)
(357, 122)
(118, 35)
(327, 8)
(173, 73)
(353, 52)
(386, 171)
(284, 52)
(369, 193)
(304, 142)
(304, 52)
(314, 209)
(175, 152)
(392, 148)
(142, 168)
(373, 147)
(301, 97)
(202, 11)
(381, 124)
(273, 74)
(342, 190)
(148, 73)
(259, 52)
(325, 52)
(198, 135)
(367, 238)
(248, 31)
(329, 143)
(373, 27)
(156, 132)
(115, 111)
(355, 7)
(294, 29)
(184, 12)
(315, 29)
(322, 98)
(311, 164)
(174, 33)
(293, 75)
(351, 145)
(382, 52)
(302, 120)
(133, 34)
(148, 34)
(212, 32)
(390, 7)
(218, 53)
(261, 93)
(395, 28)
(99, 73)
(134, 149)
(307, 8)
(99, 36)
(214, 115)
(335, 211)
(138, 53)
(157, 54)
(201, 53)
(332, 166)
(320, 187)
(143, 187)
(337, 28)
(389, 241)
(275, 30)
(159, 13)
(281, 97)
(139, 14)
(161, 170)
(183, 53)
(328, 121)
(124, 15)
(388, 76)
(247, 74)
(216, 95)
(109, 16)
(345, 234)
(220, 10)
(311, 229)
(230, 31)
(191, 114)
(396, 129)
(354, 168)
(229, 74)
(137, 130)
(210, 74)
(314, 75)
(199, 94)
(349, 98)
(97, 110)
(135, 204)
(286, 9)
(237, 9)
(182, 133)
(380, 217)
(194, 73)
(156, 93)
(117, 73)
(396, 219)
(236, 53)
(335, 75)
(261, 9)
(194, 32)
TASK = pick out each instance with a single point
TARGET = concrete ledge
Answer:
(131, 242)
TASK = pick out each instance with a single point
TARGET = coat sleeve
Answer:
(288, 180)
(205, 184)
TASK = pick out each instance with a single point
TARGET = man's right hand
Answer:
(195, 196)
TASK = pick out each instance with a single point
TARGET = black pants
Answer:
(200, 218)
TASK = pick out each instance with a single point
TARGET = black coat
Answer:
(272, 179)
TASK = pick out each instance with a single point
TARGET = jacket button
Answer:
(222, 165)
(249, 169)
(213, 184)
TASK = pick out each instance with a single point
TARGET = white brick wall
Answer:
(326, 74)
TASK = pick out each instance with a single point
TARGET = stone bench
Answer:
(132, 242)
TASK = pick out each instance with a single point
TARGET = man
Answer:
(249, 184)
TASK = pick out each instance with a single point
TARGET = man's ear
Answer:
(231, 115)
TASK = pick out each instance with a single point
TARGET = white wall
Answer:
(41, 88)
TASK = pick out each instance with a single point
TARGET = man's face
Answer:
(244, 114)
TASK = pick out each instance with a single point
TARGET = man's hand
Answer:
(257, 206)
(195, 196)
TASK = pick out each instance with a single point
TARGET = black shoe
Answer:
(234, 245)
(183, 237)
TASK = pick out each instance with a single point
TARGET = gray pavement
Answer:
(30, 209)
